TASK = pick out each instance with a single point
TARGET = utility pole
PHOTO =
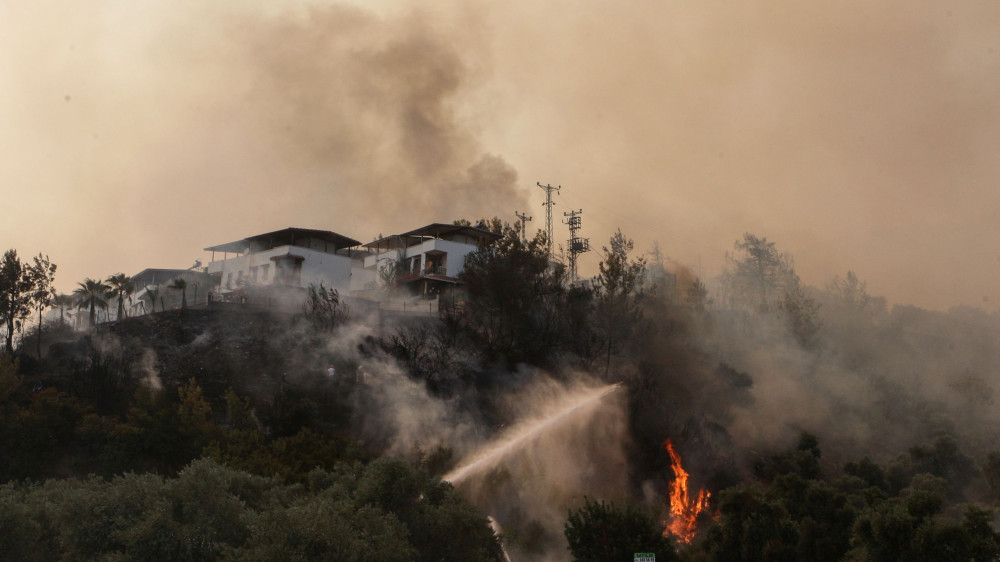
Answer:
(548, 212)
(523, 218)
(576, 245)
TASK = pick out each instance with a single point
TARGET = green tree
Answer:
(193, 412)
(92, 294)
(757, 272)
(944, 458)
(324, 309)
(908, 528)
(990, 468)
(618, 292)
(800, 311)
(9, 379)
(180, 284)
(152, 293)
(42, 275)
(442, 526)
(696, 296)
(121, 287)
(751, 526)
(851, 293)
(599, 532)
(391, 270)
(851, 307)
(514, 294)
(62, 301)
(21, 289)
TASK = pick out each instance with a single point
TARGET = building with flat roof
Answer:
(290, 258)
(427, 260)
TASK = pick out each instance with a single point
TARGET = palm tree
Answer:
(92, 294)
(121, 286)
(179, 284)
(152, 291)
(62, 301)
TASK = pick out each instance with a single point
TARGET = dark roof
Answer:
(154, 275)
(161, 273)
(438, 230)
(286, 237)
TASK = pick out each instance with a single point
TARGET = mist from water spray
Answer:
(525, 432)
(498, 532)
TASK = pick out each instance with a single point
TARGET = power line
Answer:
(523, 219)
(647, 226)
(548, 212)
(576, 244)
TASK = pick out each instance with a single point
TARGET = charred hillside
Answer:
(746, 417)
(247, 351)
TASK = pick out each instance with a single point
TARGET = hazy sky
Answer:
(857, 135)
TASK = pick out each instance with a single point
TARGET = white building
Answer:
(150, 282)
(432, 257)
(288, 258)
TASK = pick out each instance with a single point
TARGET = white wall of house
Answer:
(333, 270)
(329, 269)
(362, 279)
(198, 285)
(454, 260)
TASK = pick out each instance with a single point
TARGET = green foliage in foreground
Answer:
(601, 531)
(792, 513)
(907, 511)
(383, 511)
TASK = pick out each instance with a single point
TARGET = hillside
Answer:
(695, 428)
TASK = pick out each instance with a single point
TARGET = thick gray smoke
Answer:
(872, 381)
(558, 441)
(367, 112)
(235, 120)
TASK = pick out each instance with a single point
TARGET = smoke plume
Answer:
(215, 123)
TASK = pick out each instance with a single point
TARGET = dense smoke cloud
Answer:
(364, 109)
(860, 136)
(203, 125)
(856, 135)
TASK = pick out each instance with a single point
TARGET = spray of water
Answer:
(498, 531)
(523, 433)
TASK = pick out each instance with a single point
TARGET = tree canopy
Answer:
(600, 531)
(23, 288)
(92, 294)
(513, 289)
(618, 291)
(757, 272)
(120, 286)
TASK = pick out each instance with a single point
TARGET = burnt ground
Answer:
(265, 355)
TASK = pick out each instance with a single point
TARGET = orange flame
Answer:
(683, 512)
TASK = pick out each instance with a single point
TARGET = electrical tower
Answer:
(577, 245)
(523, 218)
(548, 212)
